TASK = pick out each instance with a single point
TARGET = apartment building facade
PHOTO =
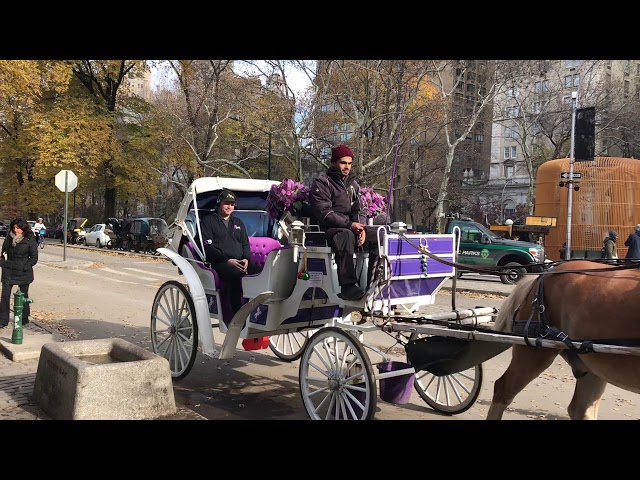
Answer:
(532, 122)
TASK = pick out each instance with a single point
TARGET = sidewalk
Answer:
(19, 363)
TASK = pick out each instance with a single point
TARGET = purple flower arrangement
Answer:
(372, 203)
(288, 196)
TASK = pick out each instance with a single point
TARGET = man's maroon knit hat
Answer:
(340, 151)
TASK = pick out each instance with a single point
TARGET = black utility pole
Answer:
(269, 161)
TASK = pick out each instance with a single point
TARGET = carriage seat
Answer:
(278, 269)
(260, 248)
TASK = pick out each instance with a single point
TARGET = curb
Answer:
(478, 291)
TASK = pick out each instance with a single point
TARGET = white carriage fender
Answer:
(200, 303)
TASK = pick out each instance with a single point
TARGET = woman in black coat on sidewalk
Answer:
(19, 255)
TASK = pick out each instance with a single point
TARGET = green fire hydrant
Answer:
(19, 300)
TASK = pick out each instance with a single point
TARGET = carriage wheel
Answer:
(336, 377)
(454, 393)
(289, 346)
(174, 329)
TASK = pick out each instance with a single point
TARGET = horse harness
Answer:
(536, 325)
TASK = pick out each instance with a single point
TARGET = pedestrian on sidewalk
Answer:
(610, 249)
(633, 242)
(19, 255)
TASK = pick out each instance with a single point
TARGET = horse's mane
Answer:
(503, 322)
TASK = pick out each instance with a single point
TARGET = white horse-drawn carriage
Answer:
(293, 307)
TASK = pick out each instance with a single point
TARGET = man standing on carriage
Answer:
(226, 245)
(335, 202)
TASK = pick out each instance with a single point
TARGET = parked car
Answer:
(4, 227)
(32, 223)
(100, 236)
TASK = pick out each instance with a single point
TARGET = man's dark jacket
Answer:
(17, 269)
(226, 243)
(633, 242)
(336, 202)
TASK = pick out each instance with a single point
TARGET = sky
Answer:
(297, 80)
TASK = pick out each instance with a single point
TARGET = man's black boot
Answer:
(351, 292)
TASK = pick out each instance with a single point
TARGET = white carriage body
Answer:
(278, 302)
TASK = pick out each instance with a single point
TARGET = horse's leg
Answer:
(526, 364)
(589, 389)
(586, 397)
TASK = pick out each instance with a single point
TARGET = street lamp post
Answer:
(269, 161)
(507, 182)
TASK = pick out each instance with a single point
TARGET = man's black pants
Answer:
(344, 243)
(233, 281)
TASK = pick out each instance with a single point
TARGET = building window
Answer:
(509, 169)
(572, 80)
(537, 87)
(535, 129)
(572, 63)
(513, 112)
(545, 86)
(511, 132)
(509, 211)
(510, 152)
(567, 101)
(479, 137)
(345, 136)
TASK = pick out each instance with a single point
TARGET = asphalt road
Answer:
(104, 294)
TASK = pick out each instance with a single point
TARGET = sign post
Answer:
(574, 101)
(66, 181)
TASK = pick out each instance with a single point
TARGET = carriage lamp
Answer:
(398, 227)
(297, 237)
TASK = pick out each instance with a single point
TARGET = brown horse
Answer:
(593, 305)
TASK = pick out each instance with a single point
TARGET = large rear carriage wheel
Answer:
(452, 394)
(174, 329)
(336, 377)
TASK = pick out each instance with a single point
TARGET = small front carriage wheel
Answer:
(174, 329)
(336, 377)
(289, 346)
